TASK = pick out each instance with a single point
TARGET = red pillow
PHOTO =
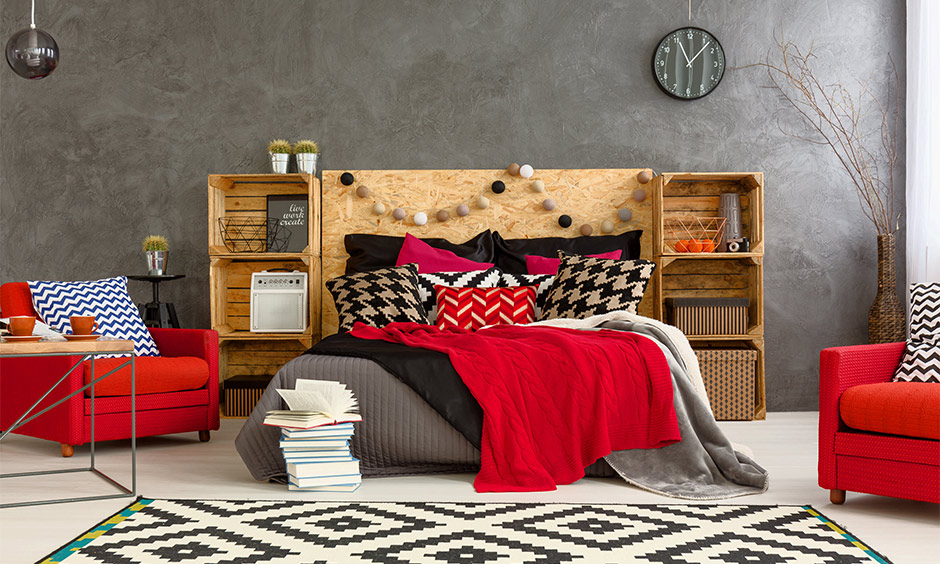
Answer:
(429, 259)
(544, 265)
(473, 308)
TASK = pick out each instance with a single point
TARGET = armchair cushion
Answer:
(155, 375)
(906, 409)
(106, 299)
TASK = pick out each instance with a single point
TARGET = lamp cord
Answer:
(32, 16)
(690, 10)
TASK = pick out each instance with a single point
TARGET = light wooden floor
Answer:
(180, 467)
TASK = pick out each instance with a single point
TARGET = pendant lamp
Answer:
(32, 53)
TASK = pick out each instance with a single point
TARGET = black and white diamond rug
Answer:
(245, 532)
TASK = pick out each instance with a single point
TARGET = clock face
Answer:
(688, 63)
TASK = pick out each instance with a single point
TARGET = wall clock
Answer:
(688, 63)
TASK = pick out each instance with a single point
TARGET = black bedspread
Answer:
(429, 373)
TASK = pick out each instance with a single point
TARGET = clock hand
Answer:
(699, 53)
(684, 54)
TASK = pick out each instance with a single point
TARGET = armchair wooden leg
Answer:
(67, 450)
(837, 496)
(204, 436)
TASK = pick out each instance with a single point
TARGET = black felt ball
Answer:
(565, 221)
(498, 187)
(347, 178)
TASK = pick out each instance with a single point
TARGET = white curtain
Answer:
(923, 141)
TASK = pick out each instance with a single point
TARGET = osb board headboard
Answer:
(587, 195)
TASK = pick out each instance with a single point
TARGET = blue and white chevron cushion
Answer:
(106, 299)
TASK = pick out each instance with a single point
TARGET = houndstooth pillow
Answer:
(586, 286)
(488, 278)
(542, 283)
(378, 298)
(921, 362)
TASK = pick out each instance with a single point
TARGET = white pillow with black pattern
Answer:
(542, 283)
(921, 362)
(586, 286)
(379, 297)
(488, 278)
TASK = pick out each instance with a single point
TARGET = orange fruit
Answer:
(709, 246)
(695, 246)
(682, 246)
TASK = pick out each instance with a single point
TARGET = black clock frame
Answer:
(656, 50)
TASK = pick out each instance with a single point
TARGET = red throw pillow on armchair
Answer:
(473, 308)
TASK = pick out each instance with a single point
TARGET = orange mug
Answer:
(22, 325)
(83, 324)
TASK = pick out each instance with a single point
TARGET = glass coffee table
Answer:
(87, 351)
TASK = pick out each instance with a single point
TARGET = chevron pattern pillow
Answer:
(586, 286)
(542, 283)
(106, 299)
(488, 278)
(474, 308)
(921, 362)
(379, 297)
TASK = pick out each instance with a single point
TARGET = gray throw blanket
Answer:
(703, 465)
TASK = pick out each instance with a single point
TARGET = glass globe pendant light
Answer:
(32, 53)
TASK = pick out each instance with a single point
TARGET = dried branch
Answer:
(836, 118)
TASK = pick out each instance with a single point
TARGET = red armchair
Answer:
(873, 462)
(24, 380)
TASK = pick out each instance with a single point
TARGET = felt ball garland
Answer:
(498, 187)
(347, 178)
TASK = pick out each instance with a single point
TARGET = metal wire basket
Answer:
(693, 234)
(253, 234)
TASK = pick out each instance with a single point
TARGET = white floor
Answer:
(180, 467)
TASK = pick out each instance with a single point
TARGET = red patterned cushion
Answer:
(473, 308)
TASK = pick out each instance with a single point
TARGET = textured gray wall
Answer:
(151, 97)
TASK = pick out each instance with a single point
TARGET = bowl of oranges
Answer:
(693, 234)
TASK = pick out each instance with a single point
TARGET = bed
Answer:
(404, 433)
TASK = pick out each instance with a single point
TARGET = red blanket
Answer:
(554, 400)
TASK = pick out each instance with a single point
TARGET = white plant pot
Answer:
(279, 162)
(307, 163)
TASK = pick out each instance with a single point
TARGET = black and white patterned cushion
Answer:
(488, 278)
(586, 286)
(542, 283)
(377, 298)
(921, 362)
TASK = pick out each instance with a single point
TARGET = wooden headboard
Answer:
(588, 196)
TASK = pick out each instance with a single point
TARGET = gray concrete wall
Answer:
(151, 97)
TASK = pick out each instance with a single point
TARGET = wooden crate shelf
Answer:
(713, 275)
(242, 352)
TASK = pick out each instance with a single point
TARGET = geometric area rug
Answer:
(242, 532)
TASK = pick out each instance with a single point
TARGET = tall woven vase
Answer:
(886, 318)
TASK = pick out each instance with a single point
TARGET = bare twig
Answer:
(836, 118)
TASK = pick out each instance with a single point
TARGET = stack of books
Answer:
(315, 435)
(319, 460)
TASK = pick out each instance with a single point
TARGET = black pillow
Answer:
(510, 253)
(371, 252)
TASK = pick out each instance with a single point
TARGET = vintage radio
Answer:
(279, 302)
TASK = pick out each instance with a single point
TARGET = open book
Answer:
(314, 403)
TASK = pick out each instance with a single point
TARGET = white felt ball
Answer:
(538, 186)
(526, 171)
(378, 208)
(483, 202)
(421, 218)
(399, 213)
(548, 204)
(624, 214)
(463, 209)
(607, 226)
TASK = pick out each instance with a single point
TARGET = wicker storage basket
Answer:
(709, 316)
(729, 376)
(242, 393)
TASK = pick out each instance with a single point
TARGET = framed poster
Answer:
(290, 235)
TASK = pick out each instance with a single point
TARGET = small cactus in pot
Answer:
(307, 152)
(156, 248)
(279, 150)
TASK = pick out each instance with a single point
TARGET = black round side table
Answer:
(157, 313)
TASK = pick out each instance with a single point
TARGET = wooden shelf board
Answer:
(712, 256)
(249, 336)
(292, 178)
(725, 337)
(257, 256)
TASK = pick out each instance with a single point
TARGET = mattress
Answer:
(400, 433)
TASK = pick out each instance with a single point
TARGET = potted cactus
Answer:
(279, 149)
(156, 248)
(307, 152)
